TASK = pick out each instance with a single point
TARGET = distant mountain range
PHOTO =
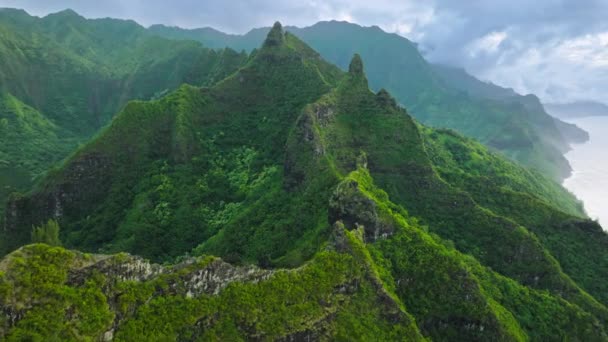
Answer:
(436, 95)
(459, 79)
(577, 109)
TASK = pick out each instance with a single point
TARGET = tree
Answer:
(47, 233)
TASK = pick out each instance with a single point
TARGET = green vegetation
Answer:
(468, 165)
(204, 159)
(47, 233)
(329, 298)
(351, 290)
(35, 287)
(438, 96)
(366, 224)
(526, 197)
(453, 295)
(30, 143)
(63, 77)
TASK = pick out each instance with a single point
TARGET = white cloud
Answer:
(590, 49)
(556, 70)
(487, 44)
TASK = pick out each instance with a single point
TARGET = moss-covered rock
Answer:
(124, 298)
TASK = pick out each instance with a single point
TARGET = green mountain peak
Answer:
(276, 36)
(65, 15)
(356, 72)
(525, 133)
(356, 65)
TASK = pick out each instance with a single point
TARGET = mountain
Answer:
(25, 132)
(230, 134)
(459, 79)
(436, 96)
(577, 109)
(213, 38)
(63, 77)
(289, 202)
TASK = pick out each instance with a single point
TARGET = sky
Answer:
(556, 49)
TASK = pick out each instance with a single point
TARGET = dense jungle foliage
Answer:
(288, 201)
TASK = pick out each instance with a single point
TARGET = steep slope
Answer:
(29, 143)
(459, 79)
(77, 73)
(527, 135)
(225, 140)
(450, 294)
(399, 163)
(290, 162)
(527, 198)
(361, 289)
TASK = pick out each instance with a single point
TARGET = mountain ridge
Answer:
(526, 134)
(336, 216)
(76, 74)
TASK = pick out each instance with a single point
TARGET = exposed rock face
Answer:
(305, 336)
(323, 113)
(90, 172)
(356, 210)
(338, 239)
(112, 293)
(191, 278)
(120, 268)
(217, 275)
(196, 277)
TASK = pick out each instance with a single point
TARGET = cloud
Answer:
(487, 44)
(555, 48)
(588, 50)
(557, 70)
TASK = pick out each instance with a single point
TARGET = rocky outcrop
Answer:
(85, 180)
(192, 277)
(121, 267)
(304, 148)
(356, 210)
(214, 277)
(385, 99)
(276, 36)
(356, 65)
(112, 292)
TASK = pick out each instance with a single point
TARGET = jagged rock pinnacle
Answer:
(356, 65)
(276, 36)
(356, 72)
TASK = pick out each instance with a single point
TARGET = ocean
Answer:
(589, 180)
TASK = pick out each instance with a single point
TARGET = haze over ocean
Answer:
(589, 181)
